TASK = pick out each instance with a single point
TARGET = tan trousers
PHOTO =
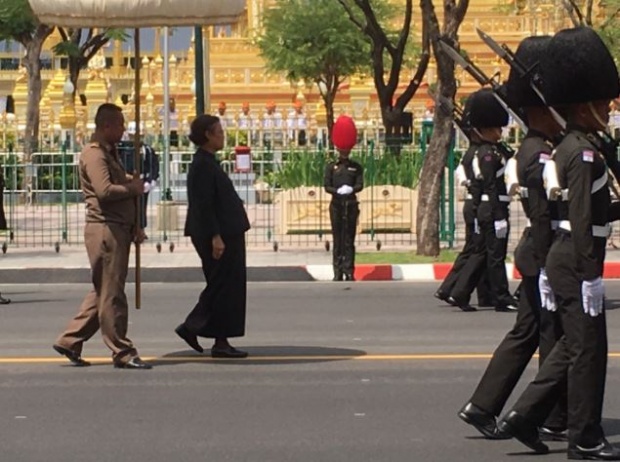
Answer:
(105, 306)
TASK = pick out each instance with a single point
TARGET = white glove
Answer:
(147, 187)
(345, 190)
(153, 184)
(547, 298)
(550, 180)
(461, 176)
(592, 295)
(501, 229)
(510, 177)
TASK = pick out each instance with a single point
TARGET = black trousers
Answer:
(464, 277)
(579, 357)
(496, 261)
(221, 308)
(343, 215)
(534, 328)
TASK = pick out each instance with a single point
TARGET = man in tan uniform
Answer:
(110, 198)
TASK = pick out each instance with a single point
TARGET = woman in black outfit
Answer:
(216, 222)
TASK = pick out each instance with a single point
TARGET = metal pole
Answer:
(207, 71)
(166, 128)
(64, 190)
(137, 158)
(199, 71)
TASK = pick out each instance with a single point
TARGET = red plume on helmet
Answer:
(344, 133)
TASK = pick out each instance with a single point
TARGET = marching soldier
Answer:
(535, 327)
(575, 261)
(462, 278)
(487, 117)
(344, 178)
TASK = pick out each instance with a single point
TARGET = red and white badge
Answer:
(587, 156)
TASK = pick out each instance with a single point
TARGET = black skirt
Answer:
(221, 308)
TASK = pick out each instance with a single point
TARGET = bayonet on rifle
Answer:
(482, 79)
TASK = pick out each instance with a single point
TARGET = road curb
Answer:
(369, 272)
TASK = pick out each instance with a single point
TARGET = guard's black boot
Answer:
(516, 425)
(482, 421)
(603, 451)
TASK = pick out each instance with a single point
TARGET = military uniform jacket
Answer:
(489, 166)
(582, 170)
(474, 190)
(105, 186)
(343, 172)
(214, 207)
(533, 154)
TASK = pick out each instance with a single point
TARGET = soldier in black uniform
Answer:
(535, 327)
(343, 180)
(579, 75)
(457, 280)
(490, 203)
(488, 116)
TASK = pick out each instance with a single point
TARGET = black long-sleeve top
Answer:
(492, 164)
(534, 152)
(343, 172)
(579, 165)
(214, 207)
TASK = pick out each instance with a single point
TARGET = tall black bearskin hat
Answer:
(482, 110)
(578, 68)
(530, 53)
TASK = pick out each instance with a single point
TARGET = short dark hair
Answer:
(105, 113)
(200, 126)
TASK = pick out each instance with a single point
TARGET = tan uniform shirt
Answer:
(104, 184)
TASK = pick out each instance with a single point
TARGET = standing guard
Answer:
(344, 178)
(579, 75)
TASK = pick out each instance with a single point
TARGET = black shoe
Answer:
(442, 296)
(337, 277)
(510, 308)
(552, 434)
(463, 306)
(515, 425)
(230, 352)
(133, 363)
(4, 301)
(483, 422)
(75, 358)
(189, 338)
(604, 451)
(349, 277)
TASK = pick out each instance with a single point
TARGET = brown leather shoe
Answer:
(75, 358)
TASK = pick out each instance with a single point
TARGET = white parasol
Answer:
(136, 14)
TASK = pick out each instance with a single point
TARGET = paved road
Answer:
(360, 372)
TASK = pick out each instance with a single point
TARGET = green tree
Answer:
(17, 22)
(81, 45)
(390, 54)
(311, 40)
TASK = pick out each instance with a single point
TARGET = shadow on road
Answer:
(279, 354)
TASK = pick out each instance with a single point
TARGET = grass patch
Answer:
(446, 256)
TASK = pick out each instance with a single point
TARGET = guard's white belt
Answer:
(502, 198)
(554, 224)
(597, 231)
(523, 192)
(500, 172)
(468, 197)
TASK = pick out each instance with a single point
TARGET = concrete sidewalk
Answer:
(70, 265)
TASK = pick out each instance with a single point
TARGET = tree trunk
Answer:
(33, 66)
(429, 188)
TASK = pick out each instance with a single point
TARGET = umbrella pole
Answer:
(137, 162)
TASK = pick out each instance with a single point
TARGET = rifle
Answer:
(479, 75)
(604, 141)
